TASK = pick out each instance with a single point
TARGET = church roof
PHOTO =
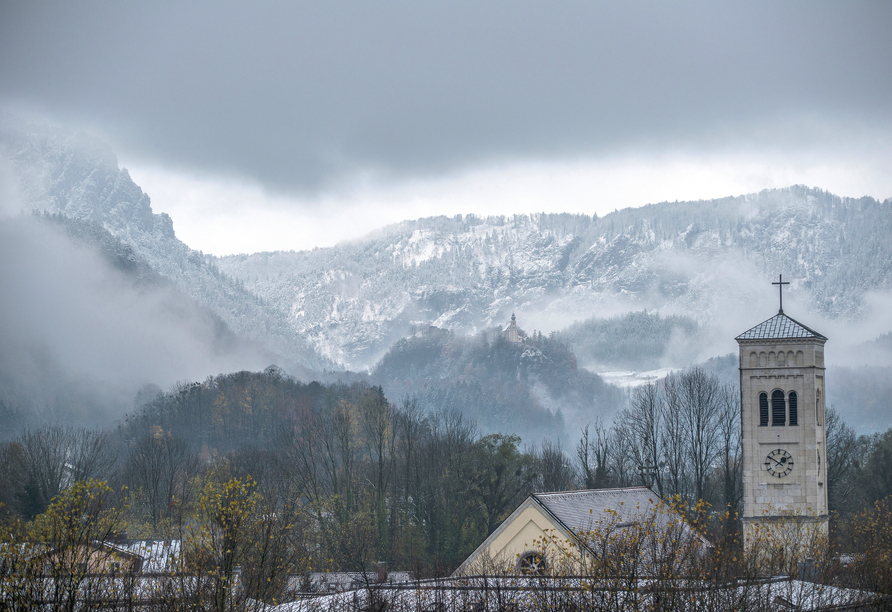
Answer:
(584, 511)
(779, 326)
(581, 511)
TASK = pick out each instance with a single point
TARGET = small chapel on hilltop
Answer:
(512, 333)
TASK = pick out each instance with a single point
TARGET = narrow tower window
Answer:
(778, 409)
(763, 409)
(818, 407)
(794, 408)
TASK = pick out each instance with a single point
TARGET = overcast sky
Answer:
(263, 126)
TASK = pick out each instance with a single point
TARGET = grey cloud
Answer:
(297, 95)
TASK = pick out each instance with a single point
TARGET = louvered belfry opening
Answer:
(794, 408)
(763, 409)
(778, 410)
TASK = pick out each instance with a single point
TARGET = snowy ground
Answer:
(635, 379)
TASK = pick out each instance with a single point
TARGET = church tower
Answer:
(511, 332)
(783, 433)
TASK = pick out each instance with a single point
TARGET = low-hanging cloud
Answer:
(226, 216)
(300, 96)
(79, 337)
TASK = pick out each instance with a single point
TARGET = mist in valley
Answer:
(628, 297)
(81, 332)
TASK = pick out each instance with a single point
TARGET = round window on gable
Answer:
(532, 563)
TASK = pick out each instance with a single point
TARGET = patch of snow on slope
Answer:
(630, 380)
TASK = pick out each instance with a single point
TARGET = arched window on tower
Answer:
(763, 409)
(794, 408)
(778, 409)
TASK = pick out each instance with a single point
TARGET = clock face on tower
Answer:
(779, 463)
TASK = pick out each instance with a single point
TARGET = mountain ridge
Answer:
(78, 176)
(469, 273)
(709, 260)
(676, 278)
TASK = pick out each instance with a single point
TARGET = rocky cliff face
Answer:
(58, 171)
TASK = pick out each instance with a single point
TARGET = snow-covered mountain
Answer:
(76, 175)
(709, 260)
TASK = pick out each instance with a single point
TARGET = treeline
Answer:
(376, 481)
(361, 479)
(636, 340)
(681, 436)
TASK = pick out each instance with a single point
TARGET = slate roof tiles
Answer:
(778, 327)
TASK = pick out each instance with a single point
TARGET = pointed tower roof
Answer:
(778, 327)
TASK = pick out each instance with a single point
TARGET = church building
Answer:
(783, 434)
(512, 333)
(565, 532)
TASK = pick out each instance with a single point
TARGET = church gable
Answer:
(523, 532)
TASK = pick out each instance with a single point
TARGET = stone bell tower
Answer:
(783, 434)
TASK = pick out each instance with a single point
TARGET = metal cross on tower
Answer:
(780, 283)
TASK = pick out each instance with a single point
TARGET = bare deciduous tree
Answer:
(673, 440)
(593, 456)
(730, 455)
(644, 422)
(159, 466)
(555, 472)
(623, 468)
(57, 457)
(380, 437)
(700, 402)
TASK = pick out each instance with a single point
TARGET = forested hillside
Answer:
(533, 388)
(665, 285)
(373, 480)
(710, 261)
(337, 477)
(636, 340)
